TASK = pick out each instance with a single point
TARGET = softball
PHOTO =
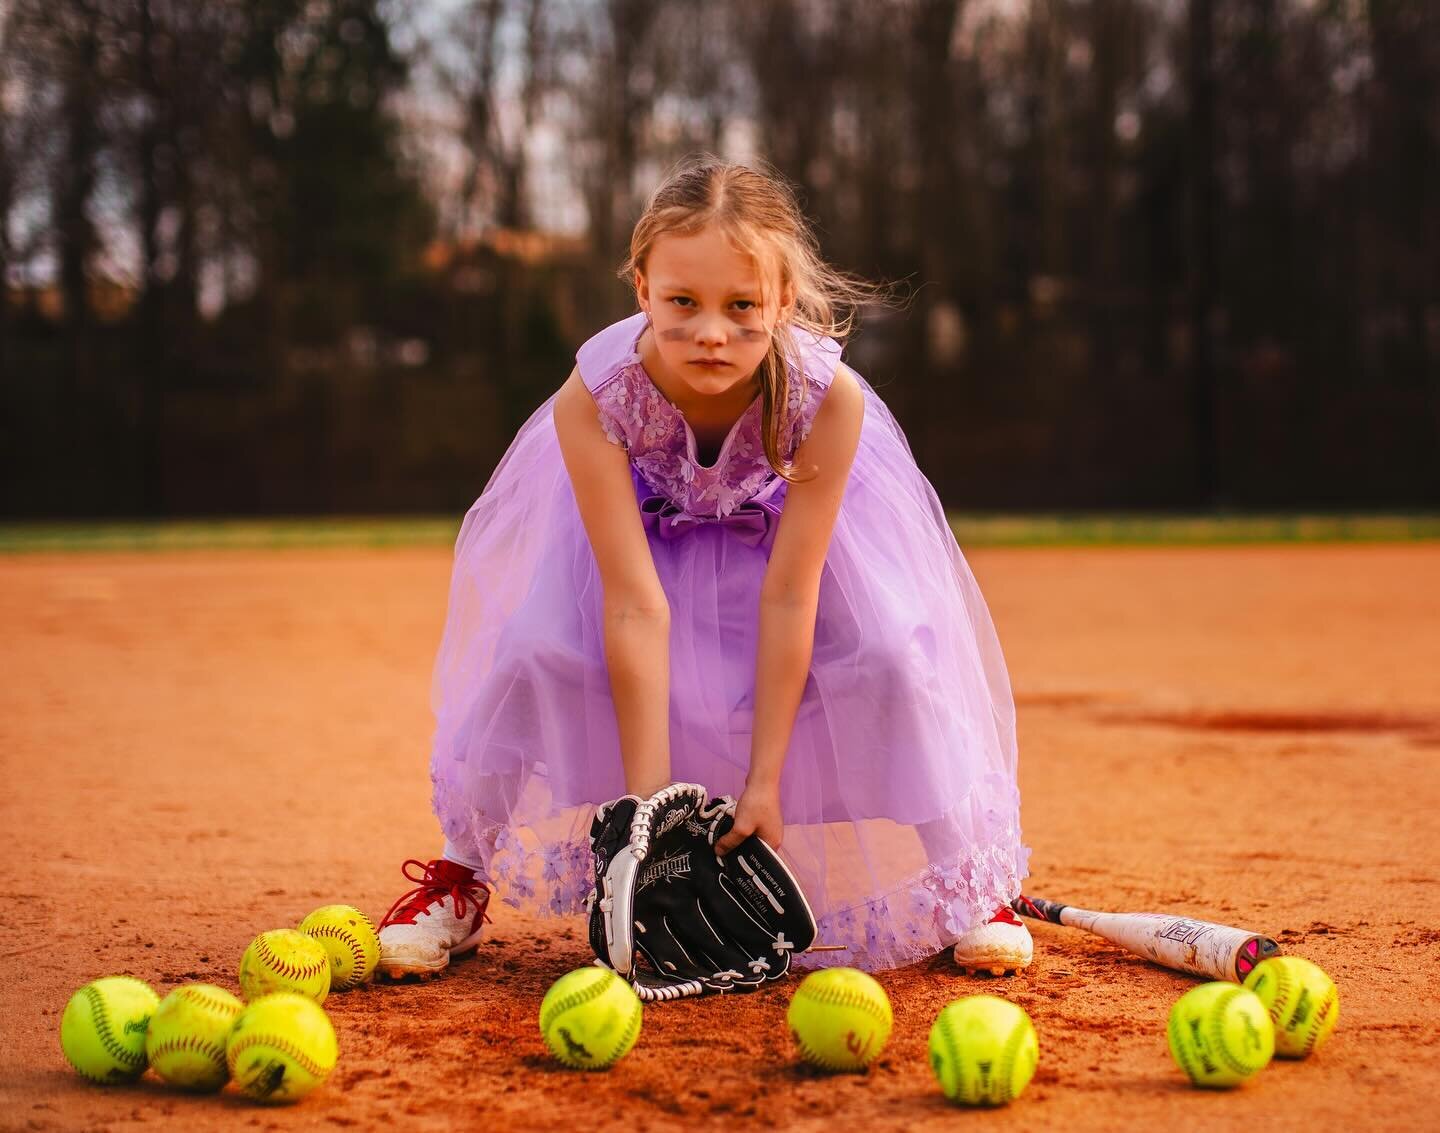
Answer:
(349, 940)
(281, 1047)
(284, 960)
(1220, 1034)
(1302, 1001)
(983, 1050)
(589, 1018)
(186, 1039)
(102, 1031)
(840, 1018)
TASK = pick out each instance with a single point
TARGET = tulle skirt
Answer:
(899, 788)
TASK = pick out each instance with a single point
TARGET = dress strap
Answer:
(604, 354)
(818, 356)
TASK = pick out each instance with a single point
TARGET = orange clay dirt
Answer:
(199, 746)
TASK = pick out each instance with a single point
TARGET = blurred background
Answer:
(310, 257)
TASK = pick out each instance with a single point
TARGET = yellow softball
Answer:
(1302, 1000)
(1220, 1034)
(281, 1047)
(983, 1050)
(185, 1042)
(590, 1018)
(102, 1031)
(285, 960)
(349, 941)
(840, 1018)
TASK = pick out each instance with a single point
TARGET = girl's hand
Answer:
(757, 812)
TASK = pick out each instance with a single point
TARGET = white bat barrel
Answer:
(1199, 947)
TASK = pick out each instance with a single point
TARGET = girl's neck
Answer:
(697, 408)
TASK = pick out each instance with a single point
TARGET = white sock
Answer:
(471, 861)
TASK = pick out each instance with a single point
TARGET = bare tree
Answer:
(498, 108)
(76, 28)
(617, 117)
(11, 156)
(1404, 212)
(1202, 252)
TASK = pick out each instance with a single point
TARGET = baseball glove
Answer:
(675, 918)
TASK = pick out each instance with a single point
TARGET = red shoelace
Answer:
(438, 879)
(1004, 915)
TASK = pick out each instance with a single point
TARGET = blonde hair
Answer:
(757, 209)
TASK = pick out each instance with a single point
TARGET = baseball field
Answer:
(200, 744)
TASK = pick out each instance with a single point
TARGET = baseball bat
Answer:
(1182, 943)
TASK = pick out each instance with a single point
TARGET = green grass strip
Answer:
(1110, 530)
(972, 530)
(227, 534)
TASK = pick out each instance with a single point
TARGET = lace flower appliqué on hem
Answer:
(919, 918)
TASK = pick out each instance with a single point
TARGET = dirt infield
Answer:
(202, 745)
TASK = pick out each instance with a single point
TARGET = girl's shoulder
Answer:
(605, 354)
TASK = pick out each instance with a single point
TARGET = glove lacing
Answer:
(645, 815)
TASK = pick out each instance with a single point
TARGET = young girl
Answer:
(710, 557)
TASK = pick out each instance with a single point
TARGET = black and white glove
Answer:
(675, 918)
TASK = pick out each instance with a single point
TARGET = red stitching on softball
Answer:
(210, 1002)
(289, 971)
(284, 1046)
(189, 1043)
(356, 952)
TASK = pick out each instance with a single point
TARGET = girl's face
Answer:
(704, 300)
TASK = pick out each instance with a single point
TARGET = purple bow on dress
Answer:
(753, 522)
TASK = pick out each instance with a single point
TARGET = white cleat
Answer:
(999, 946)
(442, 918)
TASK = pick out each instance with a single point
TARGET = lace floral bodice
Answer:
(662, 447)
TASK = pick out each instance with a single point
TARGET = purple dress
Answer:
(899, 788)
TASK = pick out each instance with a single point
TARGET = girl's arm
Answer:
(636, 610)
(789, 598)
